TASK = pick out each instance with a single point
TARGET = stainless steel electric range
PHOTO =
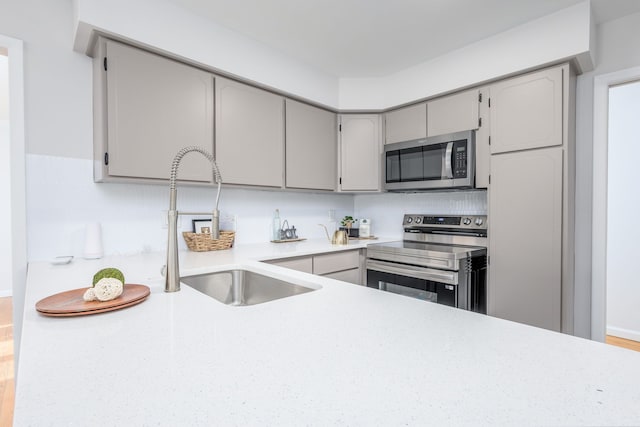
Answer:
(442, 258)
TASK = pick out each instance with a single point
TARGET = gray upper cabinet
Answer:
(526, 270)
(526, 111)
(453, 113)
(406, 124)
(249, 134)
(360, 152)
(311, 147)
(147, 108)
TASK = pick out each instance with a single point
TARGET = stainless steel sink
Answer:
(243, 287)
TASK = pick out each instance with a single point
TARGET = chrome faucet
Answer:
(172, 279)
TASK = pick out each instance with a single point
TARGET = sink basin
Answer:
(243, 287)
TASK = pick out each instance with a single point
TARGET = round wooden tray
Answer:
(71, 303)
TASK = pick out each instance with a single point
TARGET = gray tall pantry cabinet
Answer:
(531, 191)
(146, 108)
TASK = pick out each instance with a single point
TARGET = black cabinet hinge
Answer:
(489, 101)
(479, 97)
(489, 178)
(339, 128)
(340, 180)
(106, 159)
(104, 62)
(479, 122)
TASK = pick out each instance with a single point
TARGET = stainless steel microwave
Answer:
(437, 162)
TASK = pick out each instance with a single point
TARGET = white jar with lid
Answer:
(365, 227)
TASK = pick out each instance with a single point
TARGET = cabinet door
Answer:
(350, 276)
(311, 147)
(525, 212)
(406, 124)
(249, 134)
(526, 112)
(360, 152)
(338, 261)
(304, 264)
(155, 107)
(453, 113)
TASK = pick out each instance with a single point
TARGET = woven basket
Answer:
(202, 242)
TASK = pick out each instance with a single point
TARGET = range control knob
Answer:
(418, 220)
(479, 221)
(466, 221)
(409, 220)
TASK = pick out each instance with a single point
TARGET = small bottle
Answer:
(275, 231)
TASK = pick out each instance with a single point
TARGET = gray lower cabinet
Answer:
(249, 134)
(406, 124)
(311, 147)
(526, 273)
(453, 113)
(360, 152)
(147, 108)
(344, 265)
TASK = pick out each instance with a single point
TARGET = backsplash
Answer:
(386, 210)
(62, 198)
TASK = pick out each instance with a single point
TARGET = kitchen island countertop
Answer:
(341, 355)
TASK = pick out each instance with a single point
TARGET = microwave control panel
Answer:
(460, 159)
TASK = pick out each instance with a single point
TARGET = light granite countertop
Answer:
(341, 355)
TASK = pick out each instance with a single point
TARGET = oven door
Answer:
(418, 282)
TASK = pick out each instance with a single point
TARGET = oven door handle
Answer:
(448, 277)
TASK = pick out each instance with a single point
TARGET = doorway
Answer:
(615, 200)
(623, 203)
(5, 178)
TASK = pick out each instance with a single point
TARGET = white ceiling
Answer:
(371, 38)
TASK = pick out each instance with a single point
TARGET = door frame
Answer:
(601, 85)
(18, 208)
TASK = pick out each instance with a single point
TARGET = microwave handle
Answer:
(448, 171)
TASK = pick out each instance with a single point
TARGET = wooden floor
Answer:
(621, 342)
(7, 383)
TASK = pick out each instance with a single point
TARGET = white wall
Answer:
(63, 198)
(163, 25)
(623, 290)
(6, 259)
(618, 48)
(564, 34)
(561, 35)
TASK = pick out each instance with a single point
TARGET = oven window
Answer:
(413, 287)
(409, 292)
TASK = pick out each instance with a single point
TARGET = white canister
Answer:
(365, 227)
(93, 241)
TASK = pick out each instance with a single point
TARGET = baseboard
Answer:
(6, 293)
(628, 334)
